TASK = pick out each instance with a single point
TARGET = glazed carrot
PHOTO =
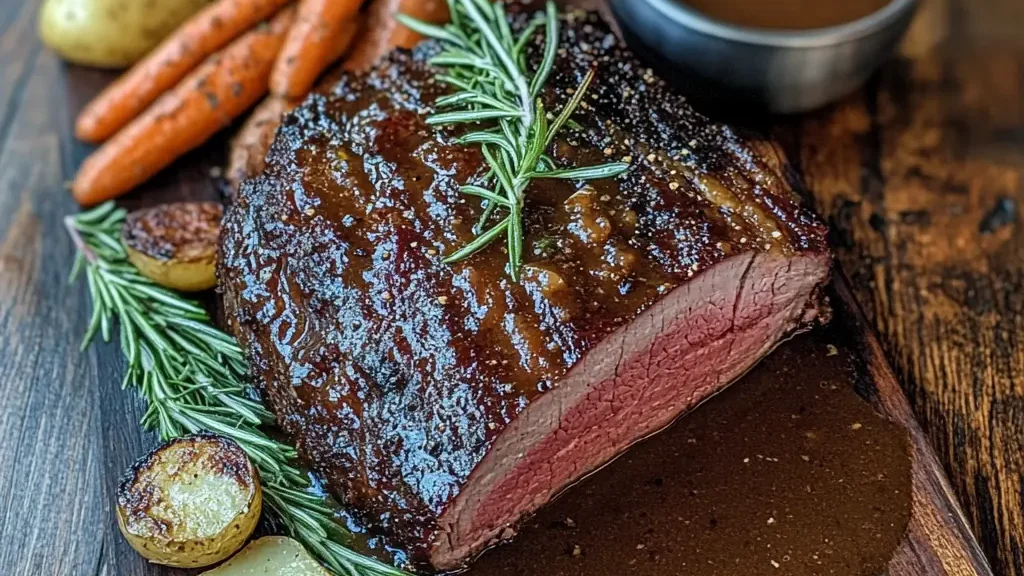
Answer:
(200, 36)
(250, 146)
(221, 89)
(383, 33)
(323, 31)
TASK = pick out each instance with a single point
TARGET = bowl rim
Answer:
(679, 12)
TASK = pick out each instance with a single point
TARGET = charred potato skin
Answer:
(175, 245)
(142, 493)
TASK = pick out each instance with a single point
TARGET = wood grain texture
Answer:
(49, 418)
(188, 179)
(907, 172)
(920, 177)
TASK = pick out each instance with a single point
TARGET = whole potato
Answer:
(110, 33)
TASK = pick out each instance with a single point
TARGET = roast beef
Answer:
(443, 403)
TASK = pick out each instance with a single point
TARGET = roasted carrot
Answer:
(323, 31)
(434, 11)
(221, 89)
(249, 147)
(200, 36)
(383, 33)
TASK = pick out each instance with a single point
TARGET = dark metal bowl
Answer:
(783, 71)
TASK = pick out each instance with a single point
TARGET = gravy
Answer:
(787, 14)
(788, 472)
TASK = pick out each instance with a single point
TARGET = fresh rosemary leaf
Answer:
(538, 141)
(502, 22)
(502, 172)
(479, 243)
(484, 217)
(193, 378)
(570, 107)
(455, 99)
(486, 138)
(469, 116)
(550, 51)
(476, 98)
(483, 193)
(444, 60)
(515, 239)
(486, 62)
(453, 81)
(428, 29)
(585, 173)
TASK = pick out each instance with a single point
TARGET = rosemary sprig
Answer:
(193, 377)
(488, 67)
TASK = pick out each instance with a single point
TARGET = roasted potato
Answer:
(270, 556)
(175, 245)
(110, 33)
(191, 502)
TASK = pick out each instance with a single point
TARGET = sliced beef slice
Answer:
(443, 403)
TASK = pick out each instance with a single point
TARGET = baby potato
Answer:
(191, 502)
(110, 33)
(270, 556)
(175, 245)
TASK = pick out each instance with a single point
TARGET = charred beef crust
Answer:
(395, 373)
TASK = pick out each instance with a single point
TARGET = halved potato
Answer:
(175, 245)
(270, 556)
(191, 502)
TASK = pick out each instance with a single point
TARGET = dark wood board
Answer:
(71, 430)
(921, 178)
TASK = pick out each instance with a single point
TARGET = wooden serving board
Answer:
(938, 541)
(96, 422)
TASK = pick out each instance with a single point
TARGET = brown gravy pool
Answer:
(788, 472)
(787, 14)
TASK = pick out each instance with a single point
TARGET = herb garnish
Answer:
(193, 377)
(487, 64)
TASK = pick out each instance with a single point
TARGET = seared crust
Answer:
(396, 373)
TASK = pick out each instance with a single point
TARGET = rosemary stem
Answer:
(84, 249)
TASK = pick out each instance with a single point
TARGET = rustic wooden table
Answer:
(919, 175)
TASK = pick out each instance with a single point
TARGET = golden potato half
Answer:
(191, 502)
(271, 556)
(175, 245)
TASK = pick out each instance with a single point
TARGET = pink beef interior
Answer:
(689, 346)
